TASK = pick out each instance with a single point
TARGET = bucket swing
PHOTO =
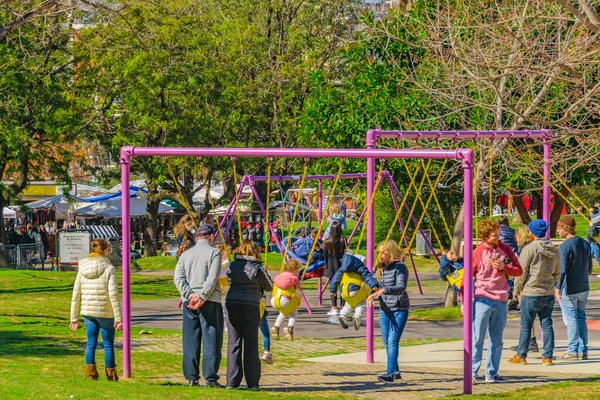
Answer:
(455, 278)
(353, 278)
(292, 294)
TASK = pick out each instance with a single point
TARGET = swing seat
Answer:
(224, 284)
(262, 306)
(353, 278)
(455, 279)
(289, 308)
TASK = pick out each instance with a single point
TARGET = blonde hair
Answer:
(99, 245)
(248, 248)
(396, 253)
(522, 235)
(180, 229)
(292, 265)
(486, 227)
(334, 209)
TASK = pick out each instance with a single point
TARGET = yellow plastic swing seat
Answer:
(292, 294)
(455, 279)
(262, 306)
(224, 284)
(353, 278)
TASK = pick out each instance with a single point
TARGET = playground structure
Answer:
(385, 176)
(466, 156)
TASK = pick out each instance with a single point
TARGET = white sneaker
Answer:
(597, 276)
(333, 312)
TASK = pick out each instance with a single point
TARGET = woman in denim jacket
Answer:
(392, 276)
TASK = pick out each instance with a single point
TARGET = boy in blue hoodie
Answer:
(352, 263)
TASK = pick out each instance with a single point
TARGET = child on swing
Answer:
(286, 280)
(355, 264)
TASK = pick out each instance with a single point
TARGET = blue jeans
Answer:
(264, 329)
(573, 311)
(490, 316)
(104, 326)
(392, 325)
(595, 251)
(532, 306)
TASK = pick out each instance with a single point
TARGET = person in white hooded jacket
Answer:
(96, 292)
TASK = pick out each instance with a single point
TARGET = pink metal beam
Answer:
(455, 135)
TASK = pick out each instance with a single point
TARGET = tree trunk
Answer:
(523, 215)
(559, 203)
(151, 227)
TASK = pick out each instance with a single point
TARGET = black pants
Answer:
(242, 329)
(205, 323)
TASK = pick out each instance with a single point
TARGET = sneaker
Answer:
(547, 361)
(343, 321)
(477, 379)
(356, 323)
(289, 332)
(333, 311)
(213, 384)
(567, 355)
(193, 382)
(275, 333)
(583, 356)
(266, 357)
(397, 377)
(254, 388)
(517, 360)
(495, 379)
(386, 379)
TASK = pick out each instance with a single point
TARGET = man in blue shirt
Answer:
(573, 287)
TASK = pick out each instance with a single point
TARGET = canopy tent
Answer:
(101, 231)
(8, 213)
(48, 202)
(138, 184)
(112, 208)
(278, 204)
(79, 189)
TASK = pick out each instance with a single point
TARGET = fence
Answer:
(28, 255)
(8, 256)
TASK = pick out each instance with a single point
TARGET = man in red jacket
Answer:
(493, 264)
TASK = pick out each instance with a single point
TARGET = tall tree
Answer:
(37, 116)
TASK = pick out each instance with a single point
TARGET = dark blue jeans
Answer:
(392, 325)
(206, 324)
(104, 326)
(532, 306)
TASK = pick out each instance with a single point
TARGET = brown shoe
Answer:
(547, 361)
(517, 360)
(111, 374)
(91, 372)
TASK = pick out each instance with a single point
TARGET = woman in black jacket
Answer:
(392, 276)
(334, 248)
(247, 282)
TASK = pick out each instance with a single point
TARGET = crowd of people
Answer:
(221, 295)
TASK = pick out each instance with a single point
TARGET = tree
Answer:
(37, 115)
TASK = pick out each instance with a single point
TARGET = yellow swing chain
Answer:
(268, 225)
(437, 181)
(412, 178)
(562, 182)
(399, 211)
(322, 222)
(414, 204)
(370, 206)
(237, 200)
(291, 226)
(212, 205)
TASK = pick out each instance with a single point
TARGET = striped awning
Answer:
(101, 231)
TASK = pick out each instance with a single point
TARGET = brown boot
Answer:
(111, 374)
(91, 372)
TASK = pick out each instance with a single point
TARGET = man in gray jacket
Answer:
(196, 277)
(541, 268)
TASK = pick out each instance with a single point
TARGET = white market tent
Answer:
(112, 208)
(8, 213)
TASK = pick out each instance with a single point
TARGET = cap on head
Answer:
(205, 230)
(567, 223)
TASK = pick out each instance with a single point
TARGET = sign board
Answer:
(72, 245)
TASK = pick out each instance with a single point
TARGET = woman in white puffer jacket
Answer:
(96, 291)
